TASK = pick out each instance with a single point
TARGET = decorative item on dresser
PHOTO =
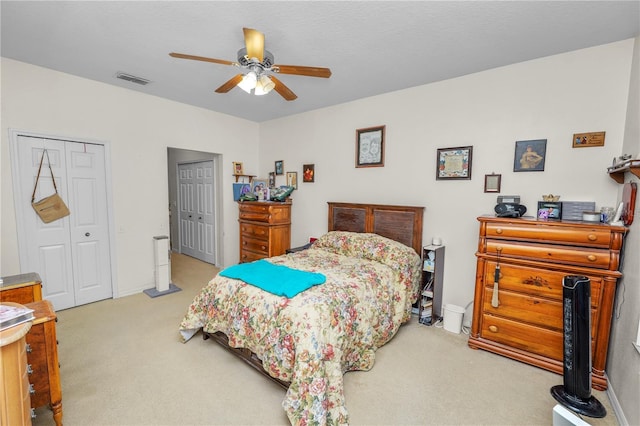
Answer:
(518, 310)
(42, 355)
(265, 229)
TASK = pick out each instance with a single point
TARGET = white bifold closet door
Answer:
(72, 254)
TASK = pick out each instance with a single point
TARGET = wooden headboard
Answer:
(399, 223)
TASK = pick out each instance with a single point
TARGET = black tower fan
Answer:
(575, 394)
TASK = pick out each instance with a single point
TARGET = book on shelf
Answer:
(14, 314)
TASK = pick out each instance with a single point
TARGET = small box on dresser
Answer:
(533, 258)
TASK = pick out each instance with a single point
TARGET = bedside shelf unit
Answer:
(534, 256)
(430, 300)
(265, 229)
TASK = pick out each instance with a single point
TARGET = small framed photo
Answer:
(549, 210)
(237, 168)
(272, 180)
(279, 167)
(370, 147)
(585, 140)
(530, 156)
(309, 173)
(492, 183)
(454, 163)
(292, 179)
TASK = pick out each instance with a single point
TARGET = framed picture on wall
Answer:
(292, 179)
(370, 147)
(454, 163)
(309, 173)
(530, 156)
(237, 168)
(492, 183)
(272, 179)
(279, 167)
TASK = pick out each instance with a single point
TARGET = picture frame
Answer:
(549, 210)
(308, 173)
(370, 146)
(292, 179)
(492, 183)
(530, 155)
(237, 168)
(272, 179)
(279, 167)
(587, 140)
(260, 188)
(454, 163)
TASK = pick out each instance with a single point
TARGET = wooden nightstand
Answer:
(42, 356)
(23, 288)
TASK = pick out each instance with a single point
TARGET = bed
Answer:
(307, 342)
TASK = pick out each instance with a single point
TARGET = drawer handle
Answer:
(29, 369)
(493, 328)
(264, 247)
(28, 348)
(244, 243)
(592, 237)
(32, 390)
(592, 258)
(499, 231)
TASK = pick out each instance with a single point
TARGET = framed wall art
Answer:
(237, 168)
(309, 173)
(530, 156)
(272, 179)
(279, 167)
(492, 182)
(454, 163)
(585, 140)
(370, 147)
(292, 179)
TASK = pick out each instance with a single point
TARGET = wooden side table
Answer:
(42, 355)
(14, 380)
(23, 288)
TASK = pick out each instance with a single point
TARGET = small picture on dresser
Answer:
(549, 210)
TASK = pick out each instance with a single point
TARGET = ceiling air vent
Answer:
(132, 78)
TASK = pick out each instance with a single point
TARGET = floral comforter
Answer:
(312, 339)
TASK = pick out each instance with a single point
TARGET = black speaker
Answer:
(575, 393)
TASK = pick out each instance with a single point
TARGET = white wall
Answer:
(550, 98)
(624, 360)
(139, 128)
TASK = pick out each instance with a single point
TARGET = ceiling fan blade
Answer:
(254, 42)
(283, 90)
(233, 82)
(201, 58)
(300, 70)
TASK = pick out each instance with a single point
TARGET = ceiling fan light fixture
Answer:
(248, 82)
(264, 85)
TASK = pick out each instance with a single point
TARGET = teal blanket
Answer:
(277, 279)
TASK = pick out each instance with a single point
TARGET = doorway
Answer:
(195, 204)
(72, 255)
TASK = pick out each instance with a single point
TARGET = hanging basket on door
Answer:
(52, 207)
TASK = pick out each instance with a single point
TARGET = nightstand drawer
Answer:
(595, 237)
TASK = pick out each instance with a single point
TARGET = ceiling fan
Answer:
(260, 68)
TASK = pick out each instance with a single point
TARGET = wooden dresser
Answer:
(265, 229)
(534, 257)
(42, 355)
(23, 288)
(14, 380)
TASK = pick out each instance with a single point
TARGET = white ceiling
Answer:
(372, 47)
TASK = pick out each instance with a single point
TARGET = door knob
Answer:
(87, 234)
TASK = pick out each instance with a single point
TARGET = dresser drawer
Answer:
(37, 358)
(594, 237)
(251, 244)
(267, 212)
(545, 283)
(522, 336)
(568, 255)
(249, 256)
(254, 231)
(257, 216)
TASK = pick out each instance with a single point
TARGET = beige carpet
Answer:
(122, 363)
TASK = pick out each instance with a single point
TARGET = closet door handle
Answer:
(87, 234)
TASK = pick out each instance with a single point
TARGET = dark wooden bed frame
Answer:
(398, 223)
